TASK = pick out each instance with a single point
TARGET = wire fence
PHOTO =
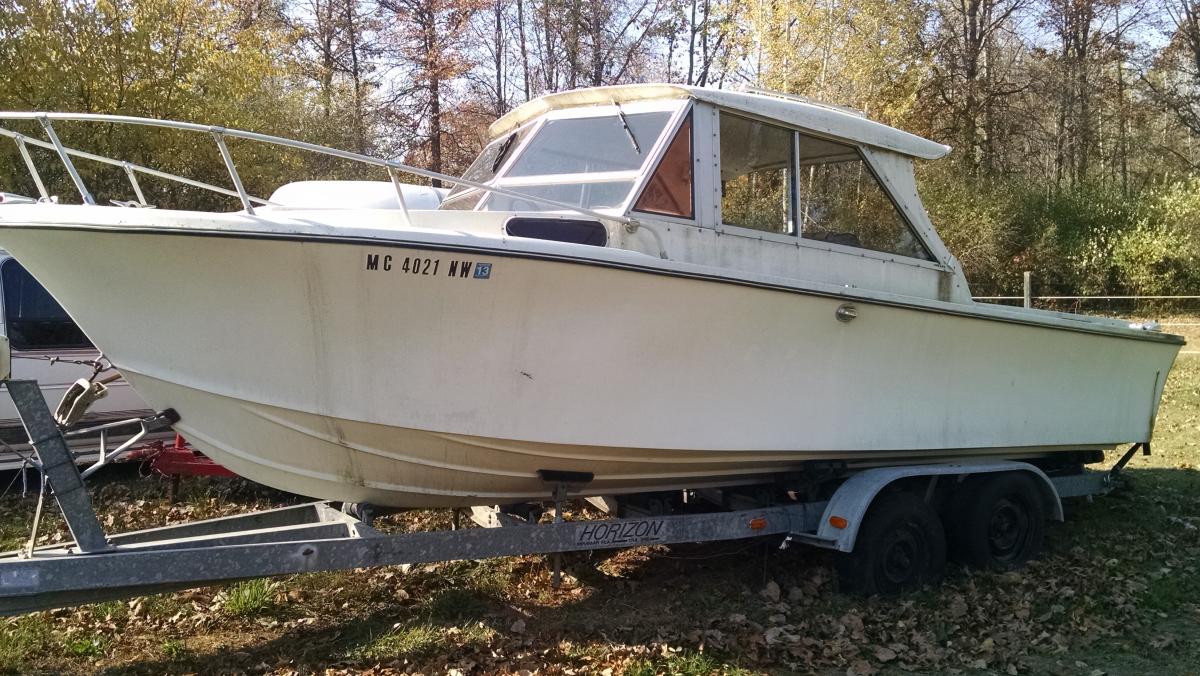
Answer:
(1178, 314)
(1174, 310)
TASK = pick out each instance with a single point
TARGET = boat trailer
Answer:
(318, 536)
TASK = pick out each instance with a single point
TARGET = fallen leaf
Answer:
(771, 592)
(861, 668)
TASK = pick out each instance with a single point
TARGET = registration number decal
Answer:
(420, 265)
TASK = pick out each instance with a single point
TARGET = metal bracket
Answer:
(133, 181)
(219, 135)
(58, 466)
(37, 178)
(159, 421)
(399, 187)
(1144, 447)
(66, 160)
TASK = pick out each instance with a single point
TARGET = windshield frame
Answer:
(656, 156)
(651, 152)
(523, 134)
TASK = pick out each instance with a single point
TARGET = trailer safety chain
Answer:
(27, 461)
(99, 365)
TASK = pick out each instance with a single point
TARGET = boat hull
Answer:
(415, 375)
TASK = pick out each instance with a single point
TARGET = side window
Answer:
(841, 202)
(669, 190)
(34, 320)
(756, 175)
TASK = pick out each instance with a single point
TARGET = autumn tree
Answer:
(865, 54)
(975, 57)
(212, 61)
(701, 41)
(426, 42)
(337, 51)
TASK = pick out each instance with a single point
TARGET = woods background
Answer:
(1074, 122)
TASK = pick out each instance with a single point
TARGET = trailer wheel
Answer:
(900, 546)
(1002, 522)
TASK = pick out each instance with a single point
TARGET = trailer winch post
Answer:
(57, 465)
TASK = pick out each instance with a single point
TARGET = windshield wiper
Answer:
(502, 154)
(625, 125)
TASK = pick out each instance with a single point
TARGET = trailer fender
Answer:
(850, 502)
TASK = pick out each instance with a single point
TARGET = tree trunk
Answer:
(524, 51)
(597, 37)
(692, 45)
(498, 59)
(328, 63)
(360, 136)
(433, 73)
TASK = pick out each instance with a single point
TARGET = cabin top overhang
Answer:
(814, 117)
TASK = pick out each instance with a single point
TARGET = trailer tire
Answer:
(901, 546)
(1001, 522)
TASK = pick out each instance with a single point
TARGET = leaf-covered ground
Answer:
(1117, 592)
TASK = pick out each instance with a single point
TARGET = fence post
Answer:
(1028, 289)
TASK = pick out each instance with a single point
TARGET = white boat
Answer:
(45, 345)
(635, 288)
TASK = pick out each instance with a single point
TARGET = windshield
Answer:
(590, 144)
(589, 162)
(484, 169)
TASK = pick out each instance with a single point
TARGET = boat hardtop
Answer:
(799, 112)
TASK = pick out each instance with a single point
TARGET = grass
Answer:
(23, 640)
(413, 642)
(455, 605)
(250, 598)
(173, 649)
(686, 663)
(418, 641)
(114, 611)
(1168, 592)
(88, 646)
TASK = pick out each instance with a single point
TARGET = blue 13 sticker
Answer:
(483, 270)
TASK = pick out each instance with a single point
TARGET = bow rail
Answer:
(219, 134)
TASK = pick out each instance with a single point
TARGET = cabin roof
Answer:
(794, 111)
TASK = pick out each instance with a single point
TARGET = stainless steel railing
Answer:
(219, 134)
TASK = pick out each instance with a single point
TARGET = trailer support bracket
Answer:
(58, 466)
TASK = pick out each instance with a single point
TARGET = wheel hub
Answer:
(901, 555)
(1008, 528)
